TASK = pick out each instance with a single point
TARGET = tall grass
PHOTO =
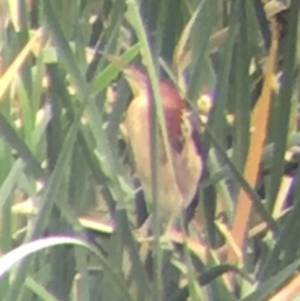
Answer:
(67, 193)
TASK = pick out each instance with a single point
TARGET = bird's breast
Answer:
(179, 178)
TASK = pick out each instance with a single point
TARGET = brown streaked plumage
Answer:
(177, 182)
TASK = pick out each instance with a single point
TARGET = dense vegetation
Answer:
(67, 194)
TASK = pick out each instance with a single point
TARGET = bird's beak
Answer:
(116, 61)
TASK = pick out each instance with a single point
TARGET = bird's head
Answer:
(140, 84)
(137, 79)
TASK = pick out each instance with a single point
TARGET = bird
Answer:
(178, 174)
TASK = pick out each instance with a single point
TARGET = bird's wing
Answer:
(191, 128)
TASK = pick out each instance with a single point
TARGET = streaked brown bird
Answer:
(179, 176)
